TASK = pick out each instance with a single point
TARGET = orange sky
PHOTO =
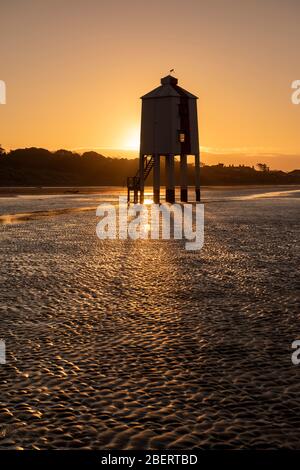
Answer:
(75, 69)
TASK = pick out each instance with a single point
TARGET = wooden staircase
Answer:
(134, 182)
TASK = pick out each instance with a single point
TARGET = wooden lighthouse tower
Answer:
(169, 127)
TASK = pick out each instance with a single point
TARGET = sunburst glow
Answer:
(132, 139)
(148, 201)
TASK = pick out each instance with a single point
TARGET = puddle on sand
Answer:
(24, 217)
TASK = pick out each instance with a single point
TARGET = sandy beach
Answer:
(123, 344)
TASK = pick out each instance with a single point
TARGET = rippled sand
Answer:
(141, 344)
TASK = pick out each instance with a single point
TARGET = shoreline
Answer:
(11, 191)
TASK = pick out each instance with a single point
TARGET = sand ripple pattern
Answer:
(126, 345)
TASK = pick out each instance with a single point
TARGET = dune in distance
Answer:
(39, 167)
(276, 160)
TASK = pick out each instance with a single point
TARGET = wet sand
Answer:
(140, 344)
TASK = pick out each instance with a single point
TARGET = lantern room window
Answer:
(181, 137)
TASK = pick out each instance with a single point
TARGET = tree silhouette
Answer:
(40, 167)
(263, 167)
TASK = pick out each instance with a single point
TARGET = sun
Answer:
(132, 139)
(148, 201)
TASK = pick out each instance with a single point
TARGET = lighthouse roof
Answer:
(169, 87)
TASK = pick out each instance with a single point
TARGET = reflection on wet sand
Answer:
(23, 217)
(273, 194)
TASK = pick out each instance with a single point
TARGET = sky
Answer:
(75, 70)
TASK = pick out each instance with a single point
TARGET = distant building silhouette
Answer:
(169, 127)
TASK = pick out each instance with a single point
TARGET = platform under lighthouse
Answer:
(169, 128)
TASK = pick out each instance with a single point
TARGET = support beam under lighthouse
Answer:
(170, 179)
(197, 177)
(156, 179)
(141, 177)
(183, 178)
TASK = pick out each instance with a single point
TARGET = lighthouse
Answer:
(169, 128)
